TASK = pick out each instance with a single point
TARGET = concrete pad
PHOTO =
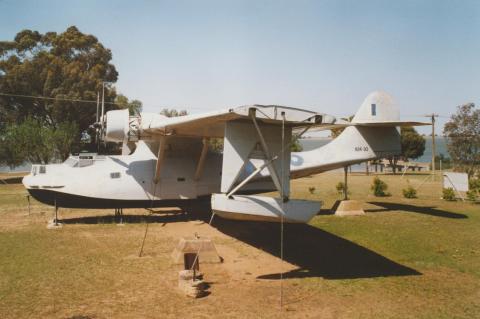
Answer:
(207, 253)
(192, 287)
(348, 208)
(52, 225)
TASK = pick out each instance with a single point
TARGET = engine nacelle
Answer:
(117, 125)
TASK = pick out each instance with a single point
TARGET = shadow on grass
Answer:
(432, 211)
(198, 210)
(316, 252)
(326, 211)
(165, 217)
(11, 180)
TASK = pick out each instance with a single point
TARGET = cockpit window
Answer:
(71, 162)
(38, 169)
(84, 159)
(82, 162)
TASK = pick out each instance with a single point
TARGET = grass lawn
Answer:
(406, 258)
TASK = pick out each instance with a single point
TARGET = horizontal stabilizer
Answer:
(390, 124)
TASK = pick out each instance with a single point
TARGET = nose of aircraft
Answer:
(26, 181)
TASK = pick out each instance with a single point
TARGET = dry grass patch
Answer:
(406, 258)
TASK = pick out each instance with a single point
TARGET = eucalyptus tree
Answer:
(462, 133)
(65, 67)
(51, 80)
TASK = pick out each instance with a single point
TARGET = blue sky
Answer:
(324, 55)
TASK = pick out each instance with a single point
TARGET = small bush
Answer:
(311, 189)
(409, 192)
(379, 188)
(475, 184)
(472, 195)
(340, 187)
(449, 194)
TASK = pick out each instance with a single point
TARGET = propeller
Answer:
(99, 125)
(102, 123)
(96, 123)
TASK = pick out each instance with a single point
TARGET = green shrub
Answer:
(340, 187)
(311, 189)
(379, 187)
(472, 195)
(449, 194)
(474, 184)
(409, 192)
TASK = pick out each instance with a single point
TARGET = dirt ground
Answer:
(403, 259)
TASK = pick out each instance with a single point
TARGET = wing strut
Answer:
(268, 160)
(252, 175)
(160, 157)
(201, 161)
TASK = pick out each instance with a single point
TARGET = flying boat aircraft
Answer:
(168, 162)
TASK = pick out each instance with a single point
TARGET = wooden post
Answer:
(433, 145)
(56, 213)
(434, 150)
(28, 199)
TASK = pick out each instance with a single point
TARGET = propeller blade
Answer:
(103, 107)
(96, 122)
(102, 126)
(127, 147)
(98, 106)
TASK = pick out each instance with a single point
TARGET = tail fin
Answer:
(378, 107)
(374, 133)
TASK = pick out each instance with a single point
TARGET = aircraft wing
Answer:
(391, 123)
(342, 124)
(212, 124)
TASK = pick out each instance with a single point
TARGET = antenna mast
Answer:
(432, 117)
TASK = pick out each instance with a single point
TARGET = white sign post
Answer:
(457, 181)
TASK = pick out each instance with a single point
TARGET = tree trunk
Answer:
(393, 164)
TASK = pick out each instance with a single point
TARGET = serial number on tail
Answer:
(361, 148)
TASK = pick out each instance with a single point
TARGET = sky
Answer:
(326, 56)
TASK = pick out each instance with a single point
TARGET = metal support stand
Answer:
(347, 207)
(54, 224)
(345, 188)
(55, 220)
(28, 200)
(119, 214)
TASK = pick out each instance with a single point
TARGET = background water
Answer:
(440, 143)
(309, 144)
(22, 168)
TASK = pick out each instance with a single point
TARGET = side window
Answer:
(374, 109)
(115, 175)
